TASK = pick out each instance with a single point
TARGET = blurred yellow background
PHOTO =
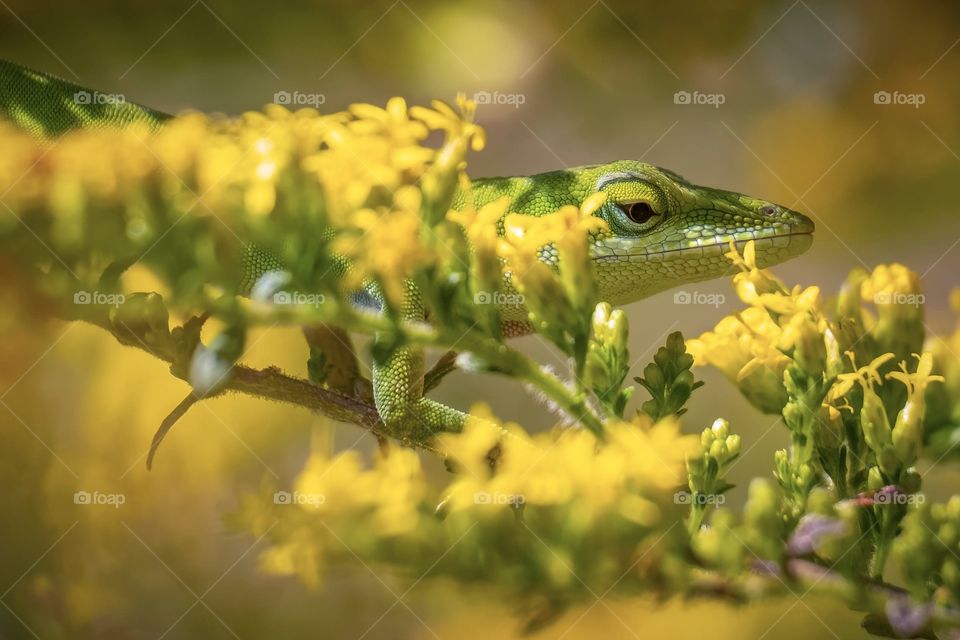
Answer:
(795, 116)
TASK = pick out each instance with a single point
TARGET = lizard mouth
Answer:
(771, 249)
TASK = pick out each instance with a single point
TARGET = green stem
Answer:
(573, 404)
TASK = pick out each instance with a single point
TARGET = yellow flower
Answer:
(873, 416)
(481, 226)
(442, 117)
(867, 376)
(331, 484)
(398, 489)
(655, 452)
(890, 284)
(908, 428)
(637, 465)
(394, 121)
(744, 348)
(471, 448)
(385, 244)
(557, 300)
(390, 492)
(483, 443)
(754, 347)
(896, 293)
(752, 281)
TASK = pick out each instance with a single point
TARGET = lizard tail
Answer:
(47, 106)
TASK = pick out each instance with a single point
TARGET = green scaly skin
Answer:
(663, 231)
(47, 106)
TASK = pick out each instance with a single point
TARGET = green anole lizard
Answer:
(663, 230)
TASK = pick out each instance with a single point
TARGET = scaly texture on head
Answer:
(663, 230)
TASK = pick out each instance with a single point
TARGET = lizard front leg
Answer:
(398, 394)
(398, 389)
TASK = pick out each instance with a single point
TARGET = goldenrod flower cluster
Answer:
(541, 512)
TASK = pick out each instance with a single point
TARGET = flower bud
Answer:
(895, 291)
(720, 428)
(619, 329)
(873, 419)
(717, 450)
(888, 461)
(733, 445)
(834, 355)
(911, 481)
(810, 351)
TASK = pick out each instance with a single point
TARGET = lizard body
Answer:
(663, 231)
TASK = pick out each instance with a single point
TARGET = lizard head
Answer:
(665, 231)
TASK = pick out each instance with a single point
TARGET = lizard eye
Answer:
(639, 212)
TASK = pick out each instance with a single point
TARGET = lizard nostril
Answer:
(769, 209)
